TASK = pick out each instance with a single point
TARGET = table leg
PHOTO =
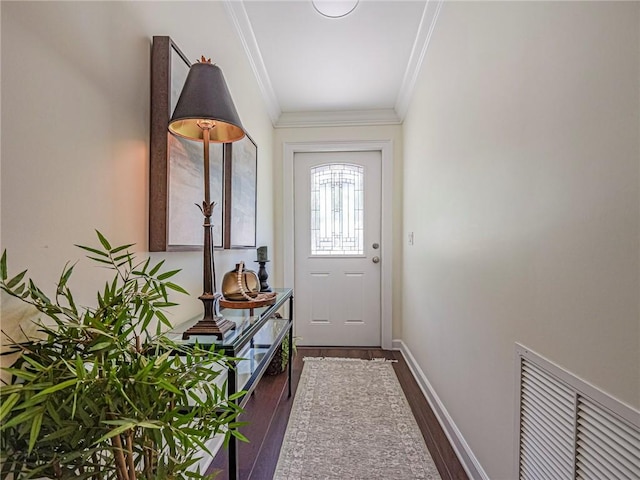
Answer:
(290, 344)
(232, 449)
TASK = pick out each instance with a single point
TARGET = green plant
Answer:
(281, 356)
(102, 396)
(285, 351)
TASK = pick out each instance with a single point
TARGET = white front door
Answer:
(337, 244)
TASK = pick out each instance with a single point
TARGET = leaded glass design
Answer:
(337, 215)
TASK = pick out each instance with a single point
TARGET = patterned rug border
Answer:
(347, 359)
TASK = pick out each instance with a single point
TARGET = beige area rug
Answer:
(351, 421)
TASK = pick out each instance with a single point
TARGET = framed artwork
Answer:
(176, 171)
(241, 168)
(186, 190)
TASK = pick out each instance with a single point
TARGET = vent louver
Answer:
(607, 446)
(565, 433)
(546, 426)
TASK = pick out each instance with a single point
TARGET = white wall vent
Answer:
(568, 429)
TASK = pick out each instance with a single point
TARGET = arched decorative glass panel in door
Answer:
(337, 209)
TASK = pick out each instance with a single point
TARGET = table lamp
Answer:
(205, 112)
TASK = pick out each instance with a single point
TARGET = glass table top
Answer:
(247, 326)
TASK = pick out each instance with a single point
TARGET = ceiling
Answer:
(359, 69)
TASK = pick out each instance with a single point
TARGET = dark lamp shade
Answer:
(205, 96)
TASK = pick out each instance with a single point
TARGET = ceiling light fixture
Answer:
(335, 8)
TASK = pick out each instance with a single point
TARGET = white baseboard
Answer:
(460, 446)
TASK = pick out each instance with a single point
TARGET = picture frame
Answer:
(241, 200)
(176, 164)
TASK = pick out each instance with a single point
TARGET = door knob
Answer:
(375, 259)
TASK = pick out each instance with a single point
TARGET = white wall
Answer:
(521, 183)
(337, 134)
(75, 137)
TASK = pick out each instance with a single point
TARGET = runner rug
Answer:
(350, 420)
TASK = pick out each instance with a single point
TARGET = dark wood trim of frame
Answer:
(158, 146)
(226, 217)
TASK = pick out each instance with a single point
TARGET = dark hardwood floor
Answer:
(267, 413)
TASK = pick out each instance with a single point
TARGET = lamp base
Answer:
(212, 323)
(218, 327)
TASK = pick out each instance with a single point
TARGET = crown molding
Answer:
(242, 24)
(279, 119)
(418, 52)
(338, 118)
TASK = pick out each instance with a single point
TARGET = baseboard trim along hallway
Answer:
(461, 447)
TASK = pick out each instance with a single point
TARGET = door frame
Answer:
(385, 147)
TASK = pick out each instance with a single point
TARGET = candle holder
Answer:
(263, 276)
(262, 255)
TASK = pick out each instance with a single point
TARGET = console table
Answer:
(254, 340)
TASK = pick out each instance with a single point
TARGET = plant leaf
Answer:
(169, 274)
(36, 424)
(163, 318)
(56, 387)
(120, 248)
(19, 289)
(105, 243)
(80, 370)
(149, 425)
(115, 431)
(99, 346)
(34, 364)
(54, 414)
(18, 419)
(237, 395)
(93, 250)
(8, 404)
(63, 432)
(239, 436)
(64, 278)
(164, 304)
(176, 288)
(21, 373)
(155, 269)
(101, 260)
(15, 280)
(167, 386)
(3, 266)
